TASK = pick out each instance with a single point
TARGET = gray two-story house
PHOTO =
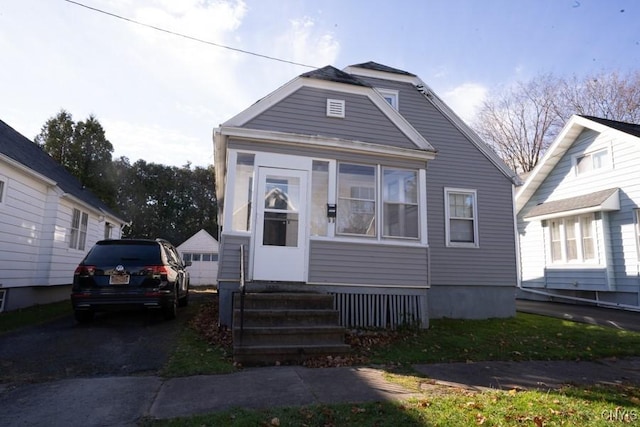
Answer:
(364, 184)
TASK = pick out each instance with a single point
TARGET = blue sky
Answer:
(159, 96)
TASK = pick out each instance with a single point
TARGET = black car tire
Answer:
(83, 316)
(184, 301)
(170, 311)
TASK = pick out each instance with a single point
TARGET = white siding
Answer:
(34, 232)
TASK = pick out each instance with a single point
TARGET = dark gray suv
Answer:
(129, 273)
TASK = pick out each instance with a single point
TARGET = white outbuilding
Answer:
(202, 250)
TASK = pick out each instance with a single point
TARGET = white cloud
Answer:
(158, 144)
(466, 99)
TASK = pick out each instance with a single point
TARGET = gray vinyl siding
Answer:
(460, 164)
(367, 264)
(304, 112)
(229, 256)
(319, 153)
(616, 236)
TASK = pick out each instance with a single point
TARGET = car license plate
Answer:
(119, 279)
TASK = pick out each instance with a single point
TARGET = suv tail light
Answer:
(155, 270)
(85, 270)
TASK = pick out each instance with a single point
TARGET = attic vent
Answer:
(335, 108)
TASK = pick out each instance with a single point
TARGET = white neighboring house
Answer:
(578, 216)
(48, 221)
(202, 250)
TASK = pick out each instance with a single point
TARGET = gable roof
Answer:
(332, 74)
(565, 139)
(630, 128)
(329, 78)
(19, 150)
(375, 70)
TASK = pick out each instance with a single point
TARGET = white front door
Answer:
(280, 240)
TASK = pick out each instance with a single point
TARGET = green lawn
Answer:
(200, 350)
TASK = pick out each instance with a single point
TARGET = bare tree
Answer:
(521, 121)
(607, 95)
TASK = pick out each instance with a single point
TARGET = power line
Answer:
(173, 33)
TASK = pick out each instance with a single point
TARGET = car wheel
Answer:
(170, 311)
(83, 316)
(184, 301)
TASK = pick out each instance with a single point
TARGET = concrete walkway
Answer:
(123, 401)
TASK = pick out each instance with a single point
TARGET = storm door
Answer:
(280, 240)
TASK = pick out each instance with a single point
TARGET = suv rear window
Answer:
(122, 253)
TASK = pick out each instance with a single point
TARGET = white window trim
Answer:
(576, 157)
(3, 189)
(476, 242)
(579, 242)
(393, 94)
(383, 202)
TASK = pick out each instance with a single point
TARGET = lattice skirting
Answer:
(380, 310)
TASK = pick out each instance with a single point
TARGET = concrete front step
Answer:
(270, 354)
(285, 327)
(271, 317)
(301, 336)
(285, 301)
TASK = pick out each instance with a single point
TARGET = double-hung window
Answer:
(400, 200)
(356, 200)
(572, 239)
(243, 192)
(589, 162)
(360, 213)
(79, 222)
(461, 217)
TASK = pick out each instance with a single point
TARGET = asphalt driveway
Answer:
(118, 343)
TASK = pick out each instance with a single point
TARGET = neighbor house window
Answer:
(108, 227)
(572, 239)
(243, 192)
(79, 222)
(461, 217)
(203, 257)
(1, 190)
(593, 161)
(400, 201)
(356, 199)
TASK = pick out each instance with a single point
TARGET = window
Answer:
(79, 223)
(204, 257)
(319, 198)
(107, 230)
(391, 96)
(3, 295)
(572, 239)
(593, 161)
(1, 190)
(243, 192)
(400, 201)
(356, 200)
(461, 217)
